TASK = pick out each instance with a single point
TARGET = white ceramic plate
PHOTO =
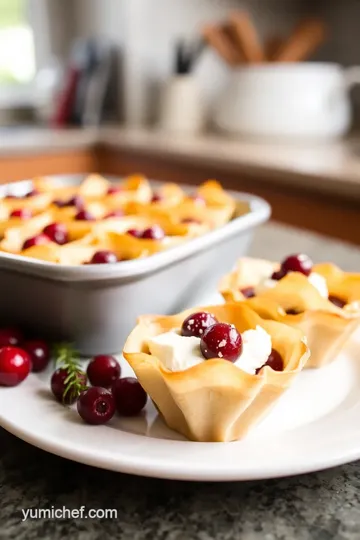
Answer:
(315, 425)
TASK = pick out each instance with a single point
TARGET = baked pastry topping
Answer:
(52, 221)
(320, 299)
(219, 379)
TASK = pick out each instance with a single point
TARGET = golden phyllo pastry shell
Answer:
(326, 326)
(215, 400)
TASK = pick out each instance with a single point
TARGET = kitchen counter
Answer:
(321, 506)
(331, 167)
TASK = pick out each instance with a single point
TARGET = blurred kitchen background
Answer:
(184, 90)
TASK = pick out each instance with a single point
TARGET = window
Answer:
(17, 51)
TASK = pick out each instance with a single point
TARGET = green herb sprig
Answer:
(68, 358)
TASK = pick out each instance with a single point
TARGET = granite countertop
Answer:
(332, 167)
(321, 506)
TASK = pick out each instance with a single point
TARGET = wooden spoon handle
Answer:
(305, 39)
(272, 47)
(247, 37)
(218, 39)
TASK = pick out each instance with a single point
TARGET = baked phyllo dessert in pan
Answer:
(321, 300)
(213, 372)
(108, 222)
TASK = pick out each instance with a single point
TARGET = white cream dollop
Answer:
(178, 353)
(175, 351)
(318, 281)
(256, 350)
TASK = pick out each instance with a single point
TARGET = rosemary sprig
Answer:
(67, 357)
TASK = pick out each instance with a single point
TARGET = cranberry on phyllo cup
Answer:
(213, 372)
(319, 299)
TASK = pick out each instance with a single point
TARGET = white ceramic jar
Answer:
(298, 100)
(182, 106)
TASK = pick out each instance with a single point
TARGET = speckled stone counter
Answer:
(322, 506)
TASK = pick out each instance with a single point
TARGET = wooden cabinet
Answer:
(335, 216)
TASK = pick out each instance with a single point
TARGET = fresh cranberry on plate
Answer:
(38, 240)
(104, 257)
(84, 215)
(221, 340)
(10, 337)
(57, 232)
(59, 384)
(21, 213)
(103, 370)
(154, 233)
(275, 361)
(196, 324)
(135, 233)
(338, 302)
(96, 405)
(130, 397)
(39, 352)
(15, 365)
(248, 292)
(297, 263)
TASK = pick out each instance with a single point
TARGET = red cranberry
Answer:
(274, 361)
(15, 365)
(38, 240)
(113, 190)
(84, 215)
(197, 323)
(76, 201)
(297, 263)
(248, 292)
(156, 198)
(153, 233)
(96, 405)
(338, 302)
(221, 340)
(103, 370)
(39, 352)
(135, 233)
(104, 257)
(32, 193)
(57, 232)
(130, 397)
(278, 275)
(58, 385)
(191, 221)
(22, 213)
(10, 337)
(115, 214)
(59, 203)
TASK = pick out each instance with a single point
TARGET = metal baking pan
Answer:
(96, 306)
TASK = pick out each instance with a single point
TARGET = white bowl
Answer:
(287, 100)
